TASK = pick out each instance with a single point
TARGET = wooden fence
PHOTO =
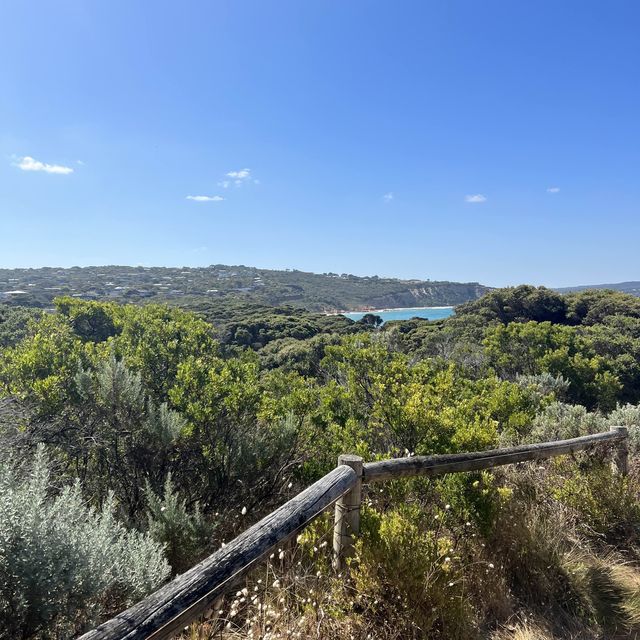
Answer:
(166, 612)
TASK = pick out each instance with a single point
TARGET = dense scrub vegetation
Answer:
(632, 287)
(165, 431)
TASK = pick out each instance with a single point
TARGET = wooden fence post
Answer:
(620, 462)
(347, 515)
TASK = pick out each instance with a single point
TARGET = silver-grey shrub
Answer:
(559, 421)
(545, 384)
(62, 563)
(628, 415)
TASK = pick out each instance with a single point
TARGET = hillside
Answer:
(632, 287)
(315, 292)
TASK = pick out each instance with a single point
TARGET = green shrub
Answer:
(474, 497)
(63, 564)
(603, 501)
(185, 536)
(411, 574)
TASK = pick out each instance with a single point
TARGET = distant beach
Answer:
(404, 313)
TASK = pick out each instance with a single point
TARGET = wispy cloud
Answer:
(238, 178)
(553, 189)
(388, 197)
(27, 163)
(205, 198)
(475, 198)
(243, 174)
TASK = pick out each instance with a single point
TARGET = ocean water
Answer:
(431, 313)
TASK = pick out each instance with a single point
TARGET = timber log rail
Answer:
(166, 612)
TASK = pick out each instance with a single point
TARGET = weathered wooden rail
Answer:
(166, 612)
(456, 462)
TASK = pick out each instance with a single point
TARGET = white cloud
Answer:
(205, 198)
(236, 177)
(475, 198)
(239, 175)
(31, 164)
(553, 189)
(388, 197)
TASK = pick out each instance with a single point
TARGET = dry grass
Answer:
(424, 572)
(523, 630)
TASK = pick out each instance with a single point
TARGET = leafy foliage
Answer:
(14, 323)
(184, 535)
(62, 564)
(187, 423)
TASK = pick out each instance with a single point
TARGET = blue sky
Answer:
(489, 141)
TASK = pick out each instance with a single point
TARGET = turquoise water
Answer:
(431, 313)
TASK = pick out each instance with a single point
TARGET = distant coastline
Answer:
(375, 311)
(403, 313)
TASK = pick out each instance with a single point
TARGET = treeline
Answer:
(588, 340)
(165, 431)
